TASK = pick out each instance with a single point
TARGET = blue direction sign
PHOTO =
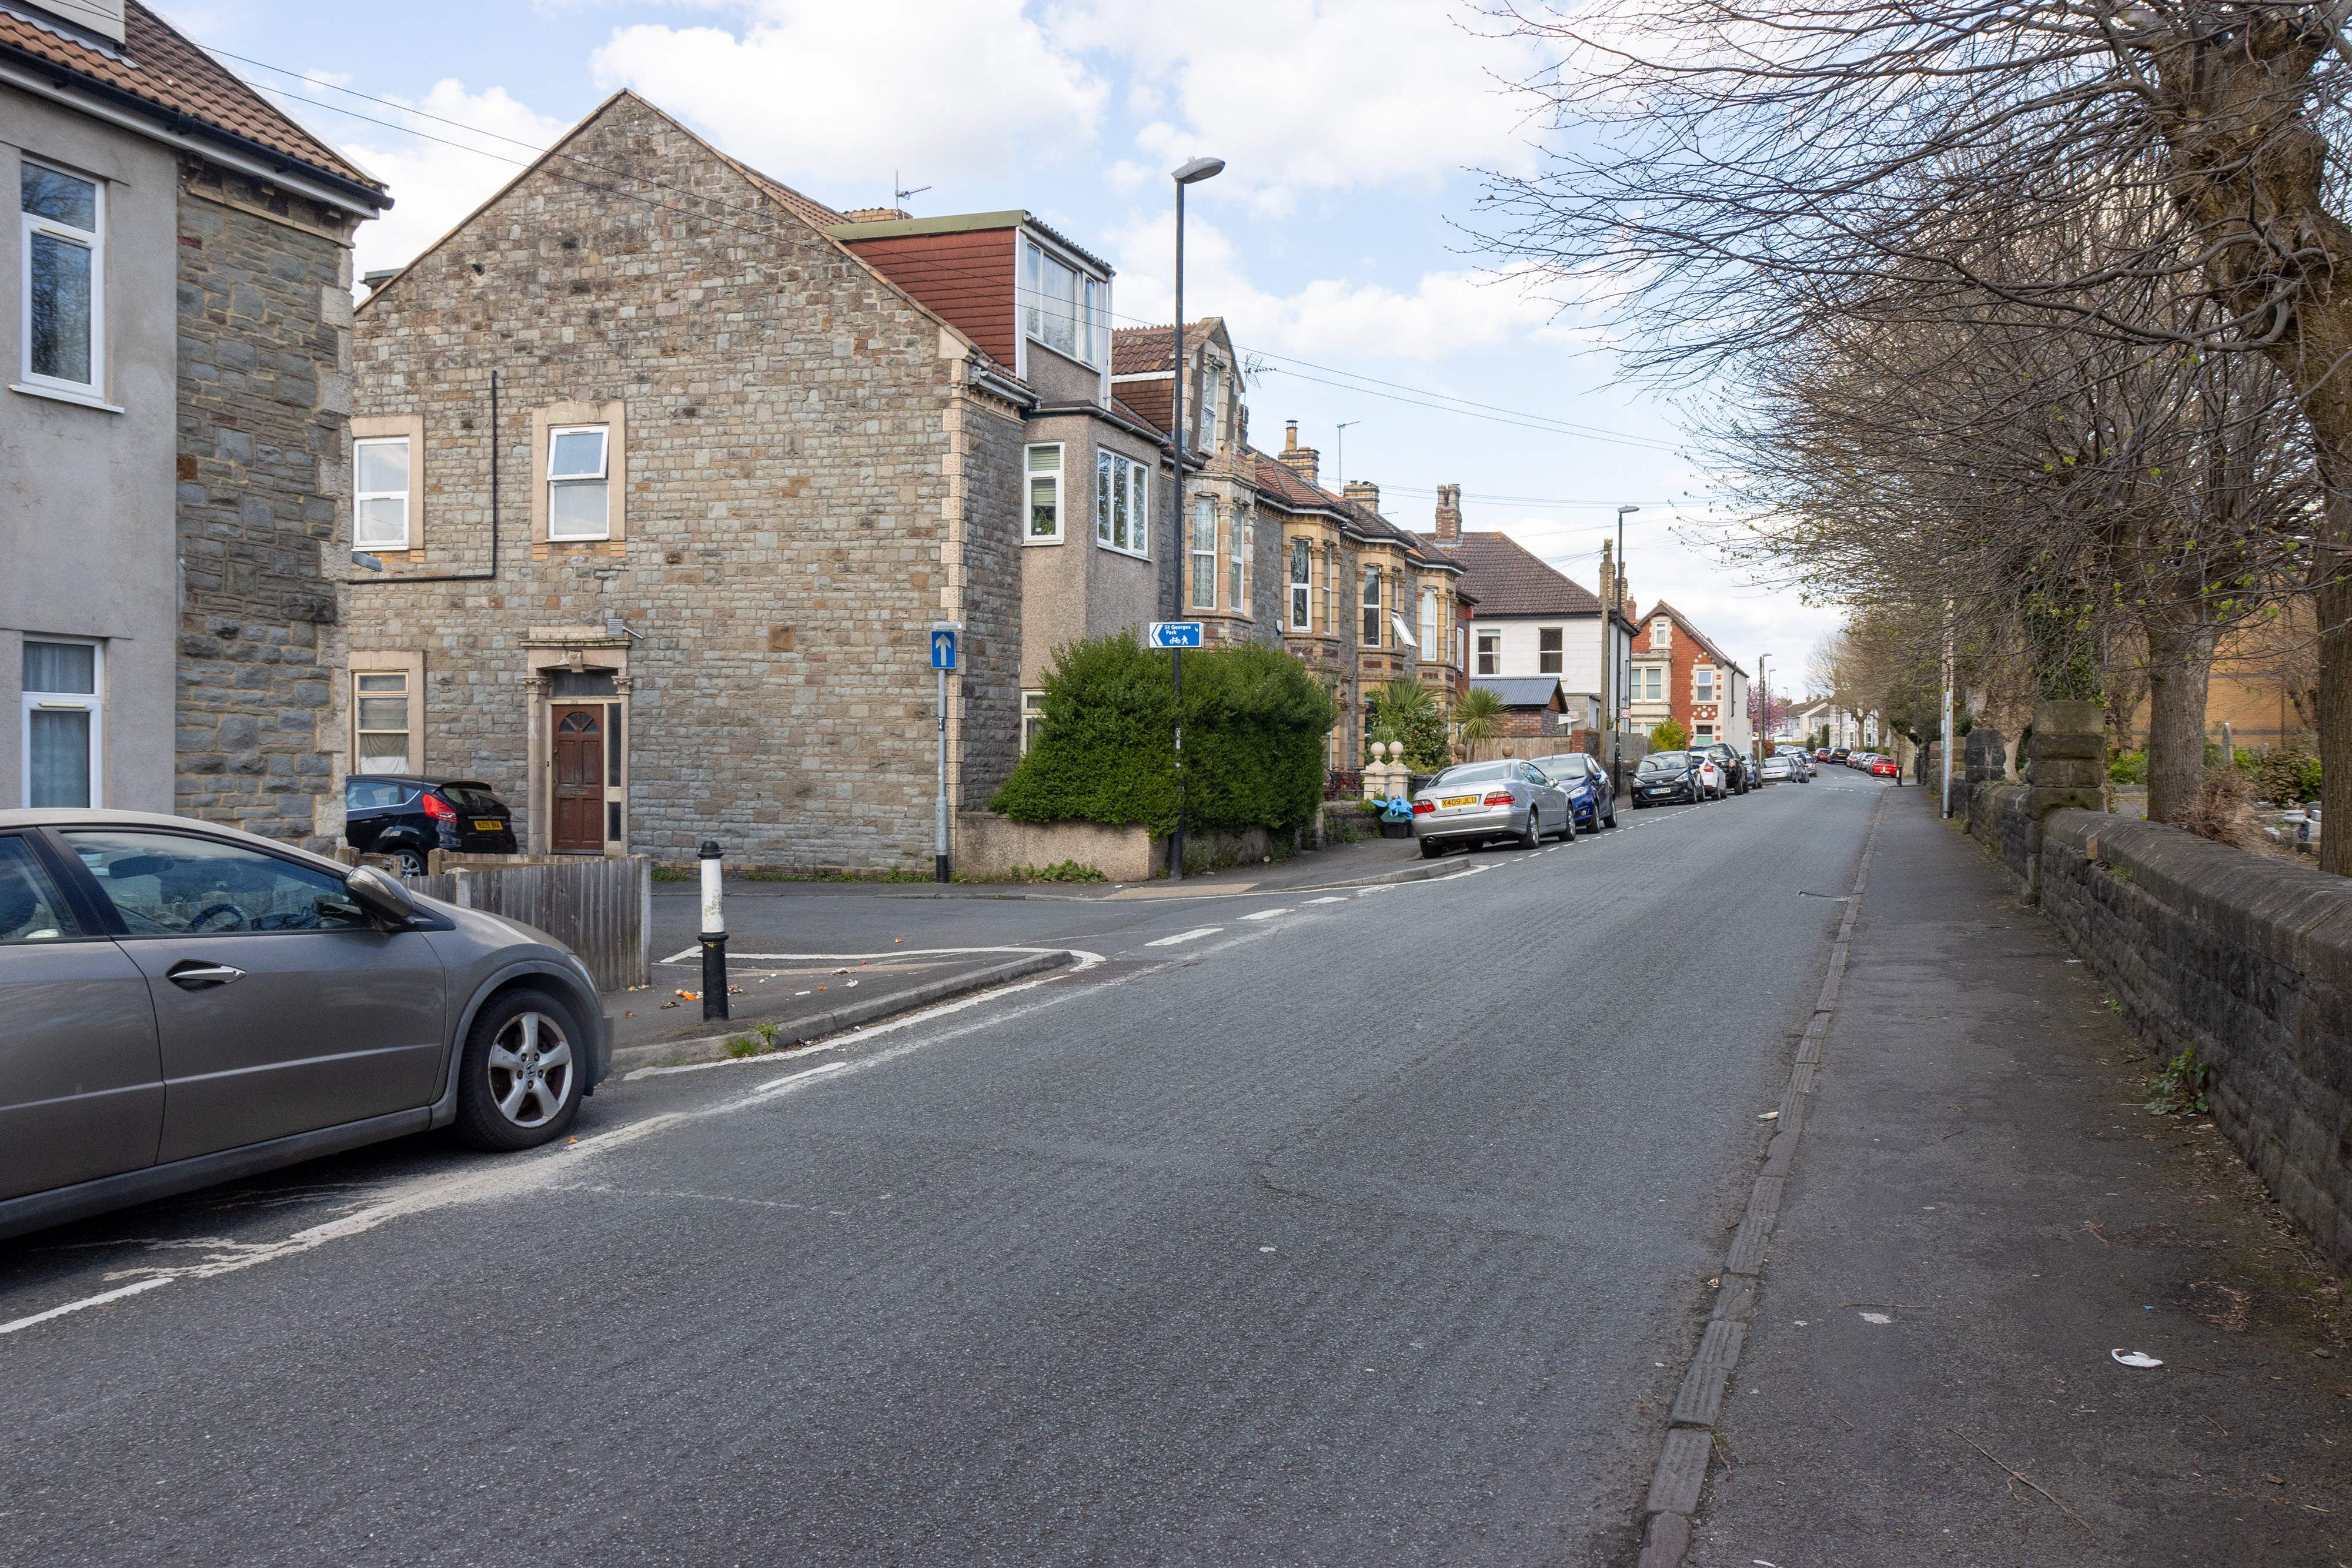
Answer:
(943, 650)
(1175, 634)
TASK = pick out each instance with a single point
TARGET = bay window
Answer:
(1371, 607)
(1235, 599)
(1121, 488)
(1204, 553)
(1302, 586)
(1431, 647)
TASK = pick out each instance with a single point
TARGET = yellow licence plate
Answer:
(481, 826)
(1460, 800)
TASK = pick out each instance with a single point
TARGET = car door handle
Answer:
(194, 975)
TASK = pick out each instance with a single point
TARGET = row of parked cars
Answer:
(1877, 764)
(1475, 803)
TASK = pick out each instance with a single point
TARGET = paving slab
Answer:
(1982, 1214)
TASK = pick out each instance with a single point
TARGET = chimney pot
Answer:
(1300, 460)
(1449, 514)
(1363, 492)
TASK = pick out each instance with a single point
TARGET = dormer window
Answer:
(1662, 632)
(1064, 309)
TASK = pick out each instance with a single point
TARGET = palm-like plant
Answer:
(1480, 714)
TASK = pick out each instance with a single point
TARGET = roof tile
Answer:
(162, 66)
(1509, 580)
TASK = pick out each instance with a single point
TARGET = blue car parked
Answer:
(1586, 784)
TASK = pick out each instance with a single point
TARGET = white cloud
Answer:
(1445, 313)
(842, 96)
(434, 184)
(1308, 97)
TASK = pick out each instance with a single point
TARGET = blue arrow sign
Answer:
(943, 650)
(1175, 634)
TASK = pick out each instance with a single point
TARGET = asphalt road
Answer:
(1366, 1231)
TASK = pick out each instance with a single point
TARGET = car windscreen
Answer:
(1471, 773)
(1664, 762)
(469, 797)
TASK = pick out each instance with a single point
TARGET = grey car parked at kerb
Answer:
(183, 1003)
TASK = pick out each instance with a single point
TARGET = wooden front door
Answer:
(579, 803)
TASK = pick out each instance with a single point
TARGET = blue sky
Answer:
(1337, 244)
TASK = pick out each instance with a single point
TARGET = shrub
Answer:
(2224, 811)
(1255, 723)
(2128, 768)
(1405, 711)
(2286, 775)
(1669, 737)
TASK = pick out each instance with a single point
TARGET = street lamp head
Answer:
(1200, 169)
(1622, 510)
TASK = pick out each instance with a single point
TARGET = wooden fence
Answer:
(601, 909)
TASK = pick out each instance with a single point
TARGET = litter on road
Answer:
(2134, 1358)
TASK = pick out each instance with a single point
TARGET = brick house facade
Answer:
(172, 613)
(1679, 672)
(682, 587)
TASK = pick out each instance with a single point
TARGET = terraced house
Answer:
(1364, 600)
(671, 468)
(177, 342)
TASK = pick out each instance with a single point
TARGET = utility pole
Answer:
(1612, 699)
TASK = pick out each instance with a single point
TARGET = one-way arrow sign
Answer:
(1175, 634)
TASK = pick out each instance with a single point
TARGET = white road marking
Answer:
(890, 953)
(1185, 936)
(97, 1300)
(1261, 915)
(1334, 899)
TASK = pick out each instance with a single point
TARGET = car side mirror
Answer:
(383, 899)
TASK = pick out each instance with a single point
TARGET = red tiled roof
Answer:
(1661, 608)
(1278, 483)
(1508, 579)
(807, 209)
(1139, 351)
(161, 67)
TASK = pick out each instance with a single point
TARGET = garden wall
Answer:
(2244, 959)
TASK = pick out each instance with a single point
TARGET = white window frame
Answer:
(1557, 655)
(1030, 476)
(94, 241)
(1302, 584)
(1704, 687)
(1662, 633)
(92, 702)
(1204, 555)
(1430, 631)
(1236, 588)
(1032, 718)
(1087, 304)
(603, 477)
(1370, 602)
(360, 496)
(409, 759)
(1212, 407)
(1108, 464)
(1494, 638)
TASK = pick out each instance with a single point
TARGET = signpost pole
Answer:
(944, 636)
(1176, 845)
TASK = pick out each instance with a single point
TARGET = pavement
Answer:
(1981, 1212)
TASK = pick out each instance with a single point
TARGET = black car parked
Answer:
(395, 814)
(1739, 773)
(1667, 779)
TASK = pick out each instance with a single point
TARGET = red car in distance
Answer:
(1884, 767)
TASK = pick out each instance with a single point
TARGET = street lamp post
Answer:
(1763, 710)
(1191, 174)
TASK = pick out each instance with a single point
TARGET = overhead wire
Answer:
(1488, 412)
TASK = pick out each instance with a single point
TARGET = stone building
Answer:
(1535, 624)
(688, 464)
(1679, 674)
(1365, 601)
(179, 353)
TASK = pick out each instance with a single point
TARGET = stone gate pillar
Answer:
(2066, 769)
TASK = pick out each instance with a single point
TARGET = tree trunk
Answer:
(2179, 665)
(2334, 601)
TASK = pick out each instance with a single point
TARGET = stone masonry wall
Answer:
(264, 398)
(2244, 959)
(782, 507)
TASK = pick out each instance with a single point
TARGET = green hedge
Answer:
(1254, 723)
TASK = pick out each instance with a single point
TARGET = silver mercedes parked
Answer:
(1475, 801)
(183, 1003)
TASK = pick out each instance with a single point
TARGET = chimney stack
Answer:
(1300, 460)
(1449, 514)
(1364, 493)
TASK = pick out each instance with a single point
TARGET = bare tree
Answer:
(1744, 167)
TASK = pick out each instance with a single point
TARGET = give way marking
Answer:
(1185, 936)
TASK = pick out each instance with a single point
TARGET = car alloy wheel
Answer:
(530, 1069)
(520, 1080)
(412, 862)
